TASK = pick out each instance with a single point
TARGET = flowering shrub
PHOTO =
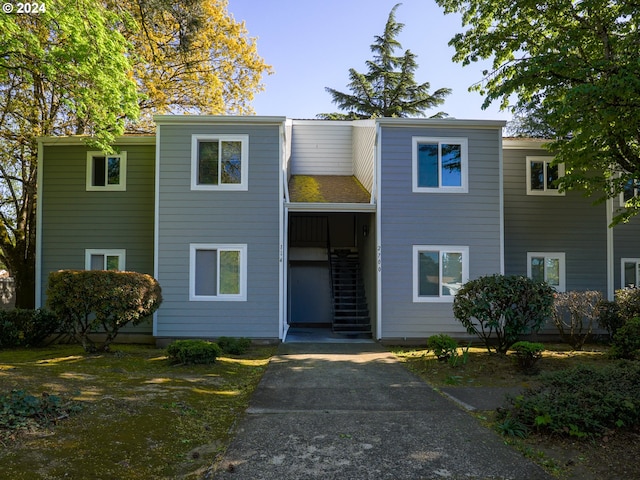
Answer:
(574, 314)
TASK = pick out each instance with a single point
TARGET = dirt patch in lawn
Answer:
(612, 456)
(140, 417)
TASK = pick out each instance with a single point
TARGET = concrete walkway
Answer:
(352, 411)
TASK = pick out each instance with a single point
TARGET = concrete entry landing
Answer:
(352, 411)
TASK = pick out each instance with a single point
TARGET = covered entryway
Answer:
(331, 272)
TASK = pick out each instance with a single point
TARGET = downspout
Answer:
(38, 292)
(610, 250)
(282, 294)
(377, 178)
(156, 223)
(501, 190)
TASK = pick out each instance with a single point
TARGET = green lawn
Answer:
(140, 416)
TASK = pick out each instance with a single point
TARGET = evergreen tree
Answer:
(388, 89)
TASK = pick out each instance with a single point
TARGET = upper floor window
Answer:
(438, 272)
(106, 172)
(99, 259)
(440, 165)
(219, 162)
(542, 176)
(630, 272)
(547, 267)
(218, 272)
(631, 189)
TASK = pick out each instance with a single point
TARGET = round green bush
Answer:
(626, 341)
(443, 346)
(499, 309)
(191, 352)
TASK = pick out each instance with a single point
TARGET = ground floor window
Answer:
(100, 259)
(438, 272)
(547, 267)
(218, 272)
(630, 272)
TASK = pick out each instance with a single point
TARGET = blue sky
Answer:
(311, 44)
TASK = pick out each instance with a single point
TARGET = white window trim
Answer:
(628, 260)
(464, 171)
(240, 297)
(562, 286)
(244, 153)
(120, 187)
(464, 250)
(111, 252)
(636, 192)
(546, 161)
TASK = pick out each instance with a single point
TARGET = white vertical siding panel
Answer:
(321, 148)
(363, 153)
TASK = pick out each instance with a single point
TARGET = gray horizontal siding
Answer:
(234, 217)
(74, 220)
(407, 219)
(569, 223)
(626, 245)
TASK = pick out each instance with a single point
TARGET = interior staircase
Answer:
(350, 310)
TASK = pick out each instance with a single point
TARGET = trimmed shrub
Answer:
(628, 300)
(528, 354)
(609, 317)
(89, 300)
(190, 352)
(443, 346)
(626, 341)
(574, 314)
(26, 328)
(234, 346)
(580, 402)
(499, 309)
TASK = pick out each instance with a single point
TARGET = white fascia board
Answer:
(83, 139)
(524, 143)
(217, 119)
(440, 122)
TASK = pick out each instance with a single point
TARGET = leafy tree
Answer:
(62, 72)
(388, 89)
(98, 69)
(191, 56)
(576, 65)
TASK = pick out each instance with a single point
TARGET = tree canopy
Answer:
(388, 89)
(575, 67)
(99, 69)
(190, 56)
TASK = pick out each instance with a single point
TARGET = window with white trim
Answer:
(101, 259)
(218, 272)
(440, 165)
(219, 162)
(542, 175)
(630, 190)
(106, 172)
(547, 267)
(439, 272)
(630, 272)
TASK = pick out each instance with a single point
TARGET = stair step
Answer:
(351, 314)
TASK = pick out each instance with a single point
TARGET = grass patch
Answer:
(141, 417)
(484, 370)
